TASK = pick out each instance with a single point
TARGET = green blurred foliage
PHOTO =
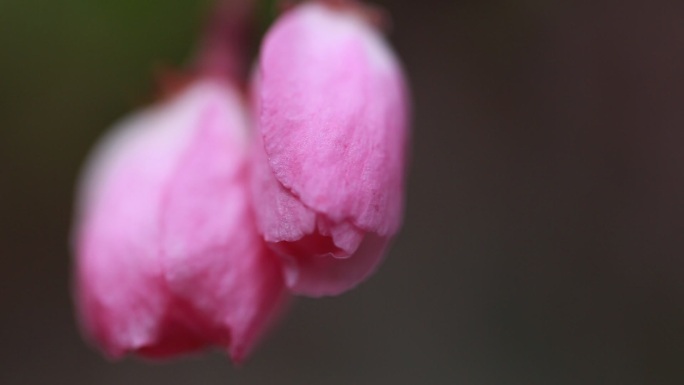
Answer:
(70, 68)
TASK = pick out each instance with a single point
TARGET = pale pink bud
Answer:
(329, 170)
(168, 256)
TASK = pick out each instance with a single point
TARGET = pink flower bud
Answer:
(168, 256)
(329, 182)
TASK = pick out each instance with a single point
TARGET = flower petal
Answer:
(317, 252)
(122, 298)
(280, 215)
(169, 259)
(318, 276)
(214, 258)
(333, 116)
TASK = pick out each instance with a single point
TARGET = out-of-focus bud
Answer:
(328, 178)
(167, 253)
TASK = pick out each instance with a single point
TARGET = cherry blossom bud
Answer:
(167, 252)
(328, 178)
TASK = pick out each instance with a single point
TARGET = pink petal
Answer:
(280, 215)
(317, 276)
(321, 257)
(168, 258)
(123, 299)
(333, 116)
(215, 259)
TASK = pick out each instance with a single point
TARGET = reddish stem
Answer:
(223, 51)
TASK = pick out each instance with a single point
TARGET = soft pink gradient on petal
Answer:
(280, 215)
(215, 259)
(334, 116)
(318, 276)
(328, 168)
(168, 257)
(123, 299)
(320, 257)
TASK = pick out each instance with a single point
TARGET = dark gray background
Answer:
(543, 238)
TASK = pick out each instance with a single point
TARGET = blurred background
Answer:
(543, 241)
